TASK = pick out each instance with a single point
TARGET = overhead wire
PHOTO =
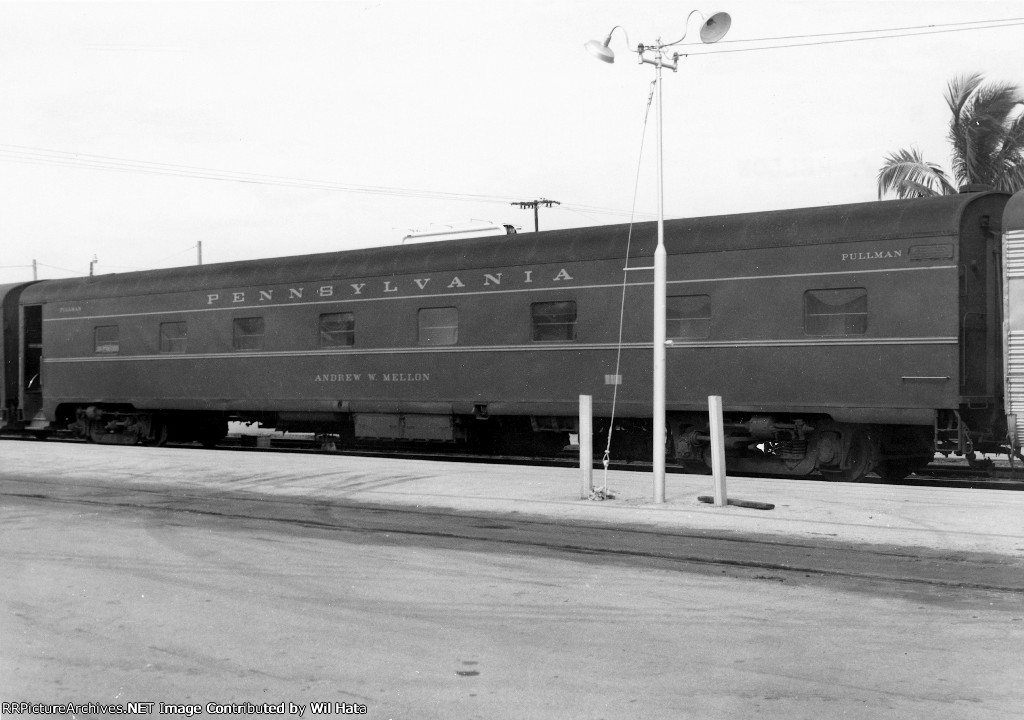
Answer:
(176, 254)
(45, 156)
(930, 26)
(104, 162)
(718, 48)
(62, 269)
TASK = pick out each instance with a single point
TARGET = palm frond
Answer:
(958, 98)
(906, 174)
(986, 133)
(1009, 158)
(1013, 180)
(960, 89)
(977, 130)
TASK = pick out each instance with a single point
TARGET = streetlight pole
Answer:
(713, 29)
(660, 291)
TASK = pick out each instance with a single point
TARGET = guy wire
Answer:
(625, 275)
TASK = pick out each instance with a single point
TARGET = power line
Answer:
(930, 26)
(60, 158)
(62, 269)
(934, 30)
(43, 156)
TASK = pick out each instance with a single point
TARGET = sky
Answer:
(130, 132)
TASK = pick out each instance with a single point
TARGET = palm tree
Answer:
(987, 136)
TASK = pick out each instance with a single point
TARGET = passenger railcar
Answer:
(842, 339)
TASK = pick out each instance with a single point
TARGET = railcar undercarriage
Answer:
(781, 446)
(120, 425)
(756, 444)
(772, 445)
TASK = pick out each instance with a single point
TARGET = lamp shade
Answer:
(600, 50)
(715, 28)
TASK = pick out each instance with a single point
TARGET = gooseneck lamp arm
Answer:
(600, 49)
(712, 29)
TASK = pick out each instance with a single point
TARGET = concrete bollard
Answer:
(717, 449)
(586, 445)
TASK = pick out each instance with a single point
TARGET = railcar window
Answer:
(107, 339)
(688, 316)
(843, 311)
(553, 321)
(173, 337)
(337, 330)
(248, 333)
(438, 326)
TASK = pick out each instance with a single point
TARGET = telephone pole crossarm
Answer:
(534, 205)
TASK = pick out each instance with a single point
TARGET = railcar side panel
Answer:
(756, 349)
(872, 314)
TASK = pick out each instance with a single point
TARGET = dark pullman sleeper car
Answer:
(842, 339)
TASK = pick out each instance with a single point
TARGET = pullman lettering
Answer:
(876, 255)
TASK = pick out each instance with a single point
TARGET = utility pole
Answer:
(199, 253)
(35, 270)
(527, 204)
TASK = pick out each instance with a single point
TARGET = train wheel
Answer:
(859, 458)
(159, 434)
(895, 470)
(211, 432)
(98, 433)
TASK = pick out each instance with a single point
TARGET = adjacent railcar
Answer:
(842, 339)
(17, 355)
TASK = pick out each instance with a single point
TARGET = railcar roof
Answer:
(778, 228)
(11, 288)
(1013, 216)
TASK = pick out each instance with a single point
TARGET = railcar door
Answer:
(980, 308)
(10, 355)
(32, 362)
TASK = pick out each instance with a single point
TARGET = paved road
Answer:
(155, 593)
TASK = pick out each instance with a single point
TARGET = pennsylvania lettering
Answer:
(385, 288)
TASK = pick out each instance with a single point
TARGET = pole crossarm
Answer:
(527, 204)
(534, 205)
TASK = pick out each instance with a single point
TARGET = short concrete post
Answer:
(587, 445)
(717, 449)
